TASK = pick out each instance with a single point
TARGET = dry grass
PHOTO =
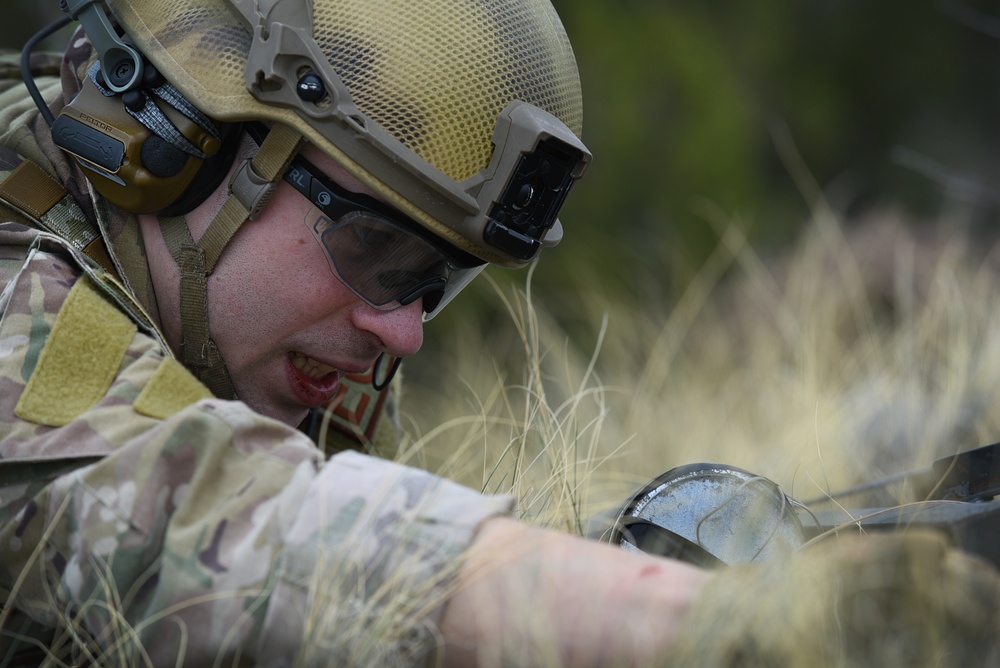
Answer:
(865, 351)
(862, 352)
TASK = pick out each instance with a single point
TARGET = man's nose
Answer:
(400, 332)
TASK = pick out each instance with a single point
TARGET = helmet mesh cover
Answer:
(435, 74)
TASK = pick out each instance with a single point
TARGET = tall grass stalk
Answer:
(867, 350)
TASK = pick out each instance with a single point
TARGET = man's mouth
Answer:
(313, 383)
(310, 368)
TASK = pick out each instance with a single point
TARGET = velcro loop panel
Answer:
(80, 359)
(171, 388)
(31, 189)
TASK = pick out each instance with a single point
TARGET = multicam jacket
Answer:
(142, 519)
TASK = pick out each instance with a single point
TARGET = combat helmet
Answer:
(463, 115)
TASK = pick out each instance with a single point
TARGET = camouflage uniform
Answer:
(136, 511)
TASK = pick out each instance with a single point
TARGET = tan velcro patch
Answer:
(31, 189)
(79, 360)
(171, 388)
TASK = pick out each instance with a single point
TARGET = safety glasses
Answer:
(375, 251)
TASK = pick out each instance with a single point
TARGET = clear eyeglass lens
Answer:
(380, 261)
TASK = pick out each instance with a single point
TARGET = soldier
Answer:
(219, 216)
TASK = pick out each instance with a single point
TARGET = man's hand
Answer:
(878, 600)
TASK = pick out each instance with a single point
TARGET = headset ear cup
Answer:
(130, 166)
(211, 173)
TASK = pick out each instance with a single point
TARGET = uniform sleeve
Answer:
(213, 532)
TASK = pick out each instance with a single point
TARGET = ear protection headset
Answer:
(143, 146)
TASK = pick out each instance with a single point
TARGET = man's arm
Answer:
(532, 597)
(526, 594)
(142, 528)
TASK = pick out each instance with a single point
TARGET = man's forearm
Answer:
(526, 594)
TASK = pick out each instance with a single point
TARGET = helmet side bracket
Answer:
(121, 64)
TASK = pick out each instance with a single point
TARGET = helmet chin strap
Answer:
(250, 189)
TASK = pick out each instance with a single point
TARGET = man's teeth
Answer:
(311, 368)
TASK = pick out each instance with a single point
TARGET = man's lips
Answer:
(313, 383)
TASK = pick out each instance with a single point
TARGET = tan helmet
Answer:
(463, 114)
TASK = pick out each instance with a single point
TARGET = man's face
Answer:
(286, 326)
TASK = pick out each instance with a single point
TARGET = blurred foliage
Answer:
(886, 102)
(889, 105)
(681, 97)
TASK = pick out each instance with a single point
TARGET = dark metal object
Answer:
(121, 63)
(955, 495)
(713, 515)
(709, 515)
(968, 525)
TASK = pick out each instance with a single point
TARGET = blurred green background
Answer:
(887, 102)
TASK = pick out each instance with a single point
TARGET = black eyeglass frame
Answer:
(336, 202)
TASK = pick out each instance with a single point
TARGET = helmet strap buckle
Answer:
(252, 190)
